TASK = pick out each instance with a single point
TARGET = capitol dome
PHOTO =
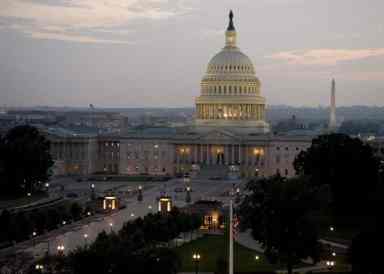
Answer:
(230, 90)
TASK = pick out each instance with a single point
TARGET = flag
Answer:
(235, 226)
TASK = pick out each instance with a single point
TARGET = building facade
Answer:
(230, 133)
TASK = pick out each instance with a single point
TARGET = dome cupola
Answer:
(230, 90)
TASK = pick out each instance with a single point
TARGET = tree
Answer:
(277, 210)
(347, 165)
(364, 254)
(25, 160)
(76, 211)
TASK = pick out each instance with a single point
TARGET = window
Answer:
(277, 159)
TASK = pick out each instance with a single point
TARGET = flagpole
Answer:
(230, 237)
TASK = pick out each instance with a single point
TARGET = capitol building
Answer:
(229, 137)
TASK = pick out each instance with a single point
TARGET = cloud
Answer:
(325, 56)
(71, 20)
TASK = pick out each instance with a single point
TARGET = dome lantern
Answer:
(230, 34)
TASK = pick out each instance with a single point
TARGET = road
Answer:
(73, 236)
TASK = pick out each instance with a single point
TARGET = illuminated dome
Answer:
(230, 90)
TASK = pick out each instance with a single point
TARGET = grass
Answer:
(212, 247)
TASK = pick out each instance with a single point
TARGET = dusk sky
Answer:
(153, 53)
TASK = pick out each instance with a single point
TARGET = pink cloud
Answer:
(325, 56)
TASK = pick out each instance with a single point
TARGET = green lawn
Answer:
(211, 247)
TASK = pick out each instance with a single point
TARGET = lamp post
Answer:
(196, 259)
(188, 195)
(34, 234)
(92, 192)
(237, 199)
(60, 249)
(39, 268)
(330, 265)
(85, 239)
(111, 226)
(140, 194)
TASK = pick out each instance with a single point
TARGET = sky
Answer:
(153, 53)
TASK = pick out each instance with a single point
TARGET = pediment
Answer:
(219, 135)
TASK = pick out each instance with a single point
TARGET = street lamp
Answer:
(330, 265)
(331, 228)
(85, 238)
(111, 226)
(92, 191)
(60, 249)
(34, 234)
(196, 259)
(140, 194)
(257, 257)
(237, 199)
(188, 195)
(39, 267)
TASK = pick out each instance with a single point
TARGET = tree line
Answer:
(25, 161)
(338, 178)
(24, 225)
(141, 246)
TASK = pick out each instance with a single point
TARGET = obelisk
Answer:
(332, 112)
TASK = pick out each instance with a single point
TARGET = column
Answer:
(246, 154)
(177, 159)
(226, 154)
(208, 158)
(233, 154)
(240, 153)
(201, 154)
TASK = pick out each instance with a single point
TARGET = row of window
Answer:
(229, 90)
(238, 68)
(287, 148)
(146, 155)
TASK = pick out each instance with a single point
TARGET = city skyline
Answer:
(154, 53)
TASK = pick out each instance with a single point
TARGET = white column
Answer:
(246, 155)
(233, 154)
(240, 153)
(208, 158)
(201, 154)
